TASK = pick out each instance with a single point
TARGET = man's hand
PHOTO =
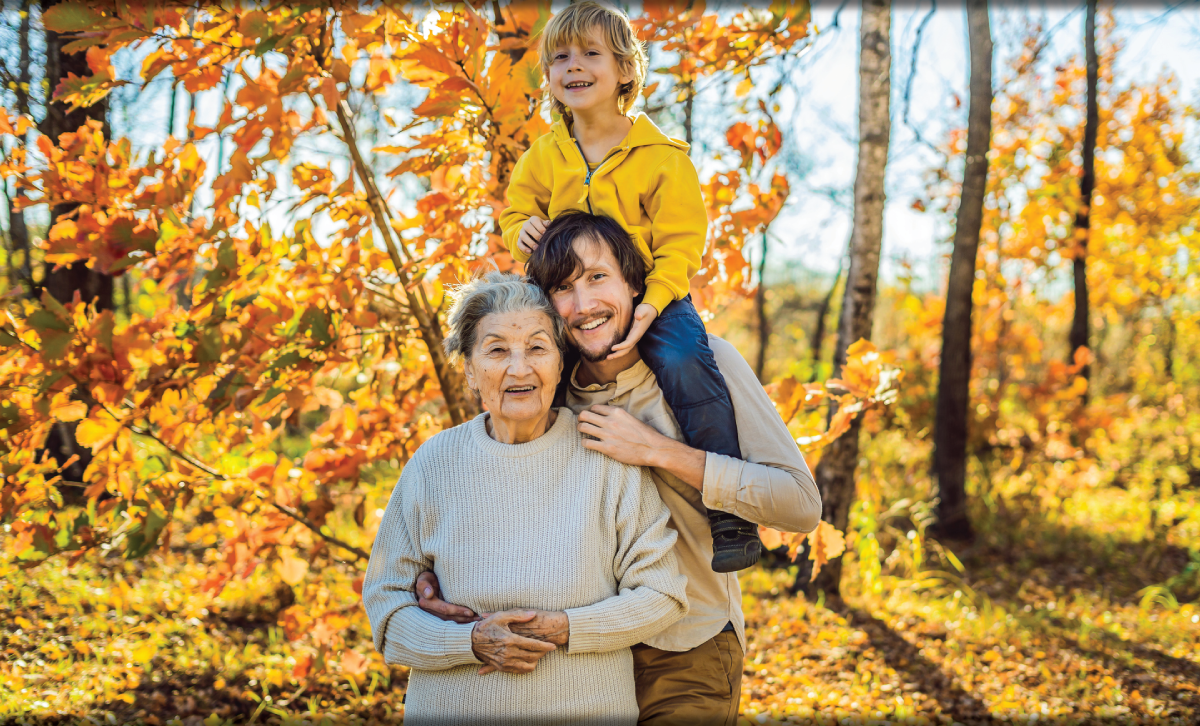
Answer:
(618, 435)
(500, 649)
(643, 315)
(429, 598)
(546, 626)
(531, 234)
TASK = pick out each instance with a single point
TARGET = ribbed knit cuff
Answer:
(658, 295)
(606, 625)
(451, 642)
(456, 640)
(721, 477)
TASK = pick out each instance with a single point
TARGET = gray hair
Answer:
(495, 292)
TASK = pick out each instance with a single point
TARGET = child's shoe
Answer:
(736, 545)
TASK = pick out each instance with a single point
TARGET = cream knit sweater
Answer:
(548, 525)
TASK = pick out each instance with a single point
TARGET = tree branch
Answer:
(358, 553)
(912, 73)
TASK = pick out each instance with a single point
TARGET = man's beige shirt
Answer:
(772, 486)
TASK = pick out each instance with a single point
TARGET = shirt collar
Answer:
(627, 380)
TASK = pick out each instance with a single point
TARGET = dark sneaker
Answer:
(736, 545)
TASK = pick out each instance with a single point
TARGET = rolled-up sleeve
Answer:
(403, 632)
(772, 486)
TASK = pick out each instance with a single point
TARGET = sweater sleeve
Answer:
(679, 228)
(650, 589)
(527, 197)
(403, 632)
(773, 485)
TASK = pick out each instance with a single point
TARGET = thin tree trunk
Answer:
(459, 406)
(954, 377)
(689, 87)
(835, 474)
(171, 110)
(817, 341)
(1087, 181)
(20, 265)
(65, 282)
(760, 311)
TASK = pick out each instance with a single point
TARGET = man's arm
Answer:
(772, 486)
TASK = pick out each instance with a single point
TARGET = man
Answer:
(691, 672)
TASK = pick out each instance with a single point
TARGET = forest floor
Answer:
(1047, 626)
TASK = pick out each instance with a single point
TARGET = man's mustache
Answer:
(577, 322)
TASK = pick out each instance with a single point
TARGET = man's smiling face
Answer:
(596, 302)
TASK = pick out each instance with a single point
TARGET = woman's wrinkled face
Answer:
(515, 366)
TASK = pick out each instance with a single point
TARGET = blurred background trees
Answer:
(227, 242)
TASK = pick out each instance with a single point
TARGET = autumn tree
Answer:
(303, 295)
(954, 372)
(835, 474)
(20, 269)
(1087, 181)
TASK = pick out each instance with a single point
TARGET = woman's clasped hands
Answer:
(500, 649)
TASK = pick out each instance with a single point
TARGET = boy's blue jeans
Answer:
(676, 349)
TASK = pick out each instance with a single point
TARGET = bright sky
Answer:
(815, 228)
(821, 138)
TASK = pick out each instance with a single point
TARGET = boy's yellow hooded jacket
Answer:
(648, 184)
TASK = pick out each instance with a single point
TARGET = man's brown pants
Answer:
(701, 686)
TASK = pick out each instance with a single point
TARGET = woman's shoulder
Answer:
(452, 441)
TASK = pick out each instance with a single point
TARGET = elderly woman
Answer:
(516, 518)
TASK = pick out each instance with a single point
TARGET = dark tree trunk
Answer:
(760, 312)
(20, 265)
(835, 474)
(63, 283)
(1087, 182)
(817, 341)
(954, 376)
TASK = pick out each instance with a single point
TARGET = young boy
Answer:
(598, 159)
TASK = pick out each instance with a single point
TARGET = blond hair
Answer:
(573, 26)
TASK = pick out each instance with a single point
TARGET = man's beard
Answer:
(606, 350)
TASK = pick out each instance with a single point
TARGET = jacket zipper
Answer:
(587, 178)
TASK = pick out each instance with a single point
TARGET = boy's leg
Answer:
(700, 686)
(676, 349)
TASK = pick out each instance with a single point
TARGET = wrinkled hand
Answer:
(643, 315)
(531, 234)
(618, 435)
(429, 599)
(548, 627)
(500, 649)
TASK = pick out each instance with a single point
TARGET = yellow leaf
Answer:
(70, 411)
(291, 568)
(143, 653)
(96, 433)
(771, 538)
(353, 662)
(825, 543)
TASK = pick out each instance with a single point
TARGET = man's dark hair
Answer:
(555, 260)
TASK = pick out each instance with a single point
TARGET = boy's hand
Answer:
(643, 315)
(531, 234)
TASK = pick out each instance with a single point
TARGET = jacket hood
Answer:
(643, 133)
